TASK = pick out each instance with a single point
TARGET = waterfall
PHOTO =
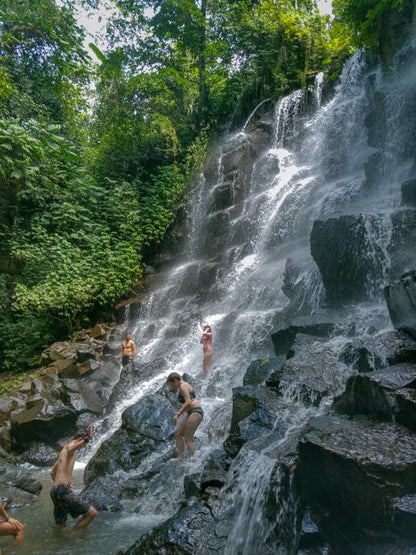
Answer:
(247, 266)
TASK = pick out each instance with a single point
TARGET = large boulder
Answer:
(368, 353)
(388, 394)
(254, 413)
(151, 417)
(83, 398)
(402, 249)
(12, 476)
(349, 259)
(284, 339)
(146, 426)
(43, 421)
(401, 302)
(408, 189)
(302, 284)
(312, 372)
(355, 470)
(190, 531)
(260, 370)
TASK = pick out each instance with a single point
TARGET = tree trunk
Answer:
(202, 85)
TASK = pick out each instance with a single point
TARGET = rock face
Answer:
(254, 412)
(185, 533)
(17, 485)
(146, 427)
(388, 394)
(409, 192)
(73, 384)
(401, 302)
(353, 273)
(347, 468)
(402, 245)
(261, 369)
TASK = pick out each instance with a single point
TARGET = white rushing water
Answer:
(314, 169)
(232, 270)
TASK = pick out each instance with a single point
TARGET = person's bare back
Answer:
(64, 499)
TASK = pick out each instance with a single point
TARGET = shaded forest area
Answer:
(99, 149)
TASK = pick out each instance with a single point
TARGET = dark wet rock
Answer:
(355, 270)
(310, 535)
(103, 494)
(284, 339)
(365, 354)
(40, 454)
(388, 394)
(124, 450)
(313, 371)
(214, 471)
(402, 244)
(260, 370)
(8, 404)
(82, 398)
(360, 358)
(254, 412)
(191, 485)
(146, 426)
(404, 515)
(187, 532)
(223, 195)
(409, 192)
(302, 284)
(18, 477)
(268, 165)
(401, 302)
(160, 489)
(355, 470)
(41, 421)
(150, 417)
(135, 373)
(5, 440)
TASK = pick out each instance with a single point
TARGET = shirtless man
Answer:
(64, 499)
(128, 350)
(11, 527)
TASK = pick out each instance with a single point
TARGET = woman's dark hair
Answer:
(173, 376)
(207, 326)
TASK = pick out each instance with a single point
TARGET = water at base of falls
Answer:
(246, 270)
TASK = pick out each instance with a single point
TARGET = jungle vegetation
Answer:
(99, 147)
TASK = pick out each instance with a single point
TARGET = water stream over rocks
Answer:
(295, 228)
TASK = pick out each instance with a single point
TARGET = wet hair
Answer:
(173, 376)
(207, 326)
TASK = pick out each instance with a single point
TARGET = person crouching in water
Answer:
(185, 431)
(11, 527)
(64, 500)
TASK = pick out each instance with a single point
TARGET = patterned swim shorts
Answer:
(65, 501)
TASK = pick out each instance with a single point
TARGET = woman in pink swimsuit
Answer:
(206, 341)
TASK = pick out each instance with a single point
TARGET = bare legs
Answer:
(8, 529)
(208, 354)
(86, 519)
(184, 434)
(83, 522)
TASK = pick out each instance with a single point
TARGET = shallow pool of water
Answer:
(108, 533)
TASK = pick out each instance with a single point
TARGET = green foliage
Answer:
(89, 189)
(365, 17)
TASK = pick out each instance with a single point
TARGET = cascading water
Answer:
(246, 269)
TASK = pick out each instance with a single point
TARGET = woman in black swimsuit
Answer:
(190, 404)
